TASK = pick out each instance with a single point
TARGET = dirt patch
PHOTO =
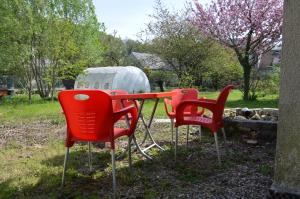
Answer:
(35, 133)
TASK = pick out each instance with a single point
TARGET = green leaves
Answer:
(48, 40)
(196, 60)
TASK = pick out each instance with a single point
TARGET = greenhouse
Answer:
(128, 78)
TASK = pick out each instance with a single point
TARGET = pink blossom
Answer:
(247, 26)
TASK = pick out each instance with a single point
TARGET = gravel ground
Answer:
(30, 134)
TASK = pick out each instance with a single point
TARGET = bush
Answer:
(187, 81)
(161, 78)
(221, 68)
(269, 83)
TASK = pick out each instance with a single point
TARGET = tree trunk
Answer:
(161, 86)
(247, 74)
(53, 82)
(28, 84)
(30, 92)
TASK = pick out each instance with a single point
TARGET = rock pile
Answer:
(264, 114)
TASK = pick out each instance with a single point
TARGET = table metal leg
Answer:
(134, 138)
(139, 149)
(153, 112)
(147, 128)
(146, 134)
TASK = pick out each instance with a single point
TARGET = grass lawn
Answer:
(18, 108)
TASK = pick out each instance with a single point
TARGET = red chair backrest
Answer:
(117, 104)
(179, 95)
(89, 114)
(221, 101)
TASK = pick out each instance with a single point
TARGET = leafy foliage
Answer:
(186, 81)
(48, 40)
(114, 51)
(175, 40)
(265, 83)
(196, 60)
(221, 68)
(161, 78)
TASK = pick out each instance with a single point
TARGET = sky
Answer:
(128, 17)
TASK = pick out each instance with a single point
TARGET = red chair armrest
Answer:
(203, 110)
(203, 99)
(119, 114)
(181, 107)
(123, 112)
(204, 104)
(166, 103)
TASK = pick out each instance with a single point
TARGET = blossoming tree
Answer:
(249, 27)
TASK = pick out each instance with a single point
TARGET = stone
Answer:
(238, 111)
(239, 117)
(229, 113)
(266, 118)
(247, 112)
(251, 141)
(255, 117)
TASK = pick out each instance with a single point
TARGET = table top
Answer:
(142, 95)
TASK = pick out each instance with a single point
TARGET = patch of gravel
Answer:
(242, 181)
(34, 133)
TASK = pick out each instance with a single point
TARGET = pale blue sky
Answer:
(128, 17)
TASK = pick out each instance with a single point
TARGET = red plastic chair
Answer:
(214, 123)
(90, 117)
(178, 96)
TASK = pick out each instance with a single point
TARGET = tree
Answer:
(114, 50)
(73, 39)
(195, 59)
(160, 78)
(220, 68)
(176, 40)
(45, 40)
(137, 46)
(249, 27)
(14, 45)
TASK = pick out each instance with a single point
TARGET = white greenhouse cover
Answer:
(128, 78)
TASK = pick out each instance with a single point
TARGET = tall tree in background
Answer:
(175, 40)
(114, 50)
(191, 56)
(48, 40)
(137, 46)
(249, 27)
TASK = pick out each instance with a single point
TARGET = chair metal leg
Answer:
(176, 142)
(187, 135)
(90, 156)
(65, 167)
(113, 163)
(172, 129)
(225, 139)
(217, 148)
(129, 152)
(200, 132)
